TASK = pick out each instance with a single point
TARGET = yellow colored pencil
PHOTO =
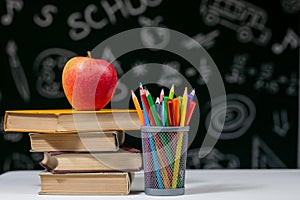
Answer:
(183, 107)
(179, 144)
(138, 108)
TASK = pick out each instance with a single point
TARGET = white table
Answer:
(200, 184)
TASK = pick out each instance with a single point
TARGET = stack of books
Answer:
(83, 150)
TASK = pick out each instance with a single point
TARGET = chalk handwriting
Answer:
(48, 67)
(205, 72)
(265, 79)
(281, 124)
(237, 72)
(145, 21)
(190, 72)
(170, 74)
(205, 40)
(46, 17)
(214, 160)
(240, 115)
(291, 40)
(263, 156)
(218, 160)
(153, 38)
(141, 70)
(11, 7)
(110, 57)
(81, 24)
(290, 6)
(121, 92)
(292, 89)
(17, 71)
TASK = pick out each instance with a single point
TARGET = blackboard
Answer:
(254, 44)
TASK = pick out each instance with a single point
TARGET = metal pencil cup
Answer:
(164, 159)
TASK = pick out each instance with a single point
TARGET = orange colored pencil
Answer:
(170, 112)
(176, 111)
(138, 108)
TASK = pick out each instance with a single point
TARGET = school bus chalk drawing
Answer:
(246, 19)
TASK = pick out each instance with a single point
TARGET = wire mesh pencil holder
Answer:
(164, 159)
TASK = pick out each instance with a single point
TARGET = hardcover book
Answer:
(125, 159)
(89, 141)
(113, 183)
(69, 120)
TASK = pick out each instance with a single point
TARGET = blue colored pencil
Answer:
(153, 151)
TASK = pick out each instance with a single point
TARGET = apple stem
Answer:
(89, 54)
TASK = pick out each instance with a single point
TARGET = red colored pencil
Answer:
(190, 111)
(145, 102)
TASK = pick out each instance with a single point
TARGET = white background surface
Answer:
(281, 184)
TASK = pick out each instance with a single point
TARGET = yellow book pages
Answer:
(88, 141)
(70, 162)
(58, 112)
(111, 183)
(69, 120)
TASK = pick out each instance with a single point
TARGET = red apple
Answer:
(88, 83)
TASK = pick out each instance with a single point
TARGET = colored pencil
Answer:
(171, 92)
(147, 107)
(166, 98)
(160, 142)
(191, 97)
(179, 143)
(162, 113)
(161, 96)
(166, 111)
(183, 107)
(137, 107)
(151, 141)
(176, 112)
(157, 105)
(189, 113)
(170, 112)
(152, 109)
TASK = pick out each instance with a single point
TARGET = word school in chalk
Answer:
(82, 22)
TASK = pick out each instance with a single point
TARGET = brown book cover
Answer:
(125, 159)
(69, 120)
(102, 183)
(88, 141)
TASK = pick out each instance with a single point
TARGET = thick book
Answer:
(125, 159)
(69, 120)
(89, 141)
(112, 183)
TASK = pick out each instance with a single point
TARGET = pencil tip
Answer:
(157, 100)
(147, 92)
(193, 91)
(172, 87)
(132, 93)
